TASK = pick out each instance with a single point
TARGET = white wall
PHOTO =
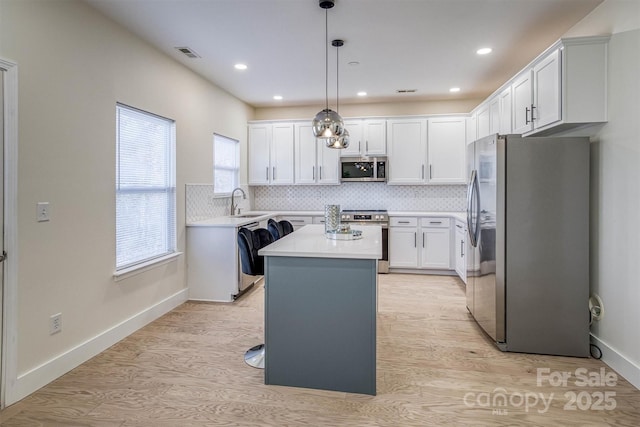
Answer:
(615, 189)
(74, 65)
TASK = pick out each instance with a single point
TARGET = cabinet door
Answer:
(459, 249)
(472, 129)
(484, 121)
(403, 251)
(327, 166)
(546, 93)
(282, 154)
(259, 151)
(375, 137)
(521, 90)
(505, 112)
(305, 155)
(407, 141)
(494, 115)
(446, 150)
(436, 245)
(355, 128)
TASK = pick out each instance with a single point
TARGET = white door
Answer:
(305, 155)
(436, 244)
(327, 167)
(282, 154)
(522, 99)
(355, 138)
(546, 95)
(403, 251)
(407, 145)
(447, 149)
(375, 137)
(259, 142)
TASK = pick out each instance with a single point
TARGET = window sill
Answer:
(145, 266)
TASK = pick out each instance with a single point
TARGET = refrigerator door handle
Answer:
(472, 190)
(476, 228)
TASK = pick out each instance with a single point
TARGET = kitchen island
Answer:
(320, 310)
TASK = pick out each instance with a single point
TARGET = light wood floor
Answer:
(435, 368)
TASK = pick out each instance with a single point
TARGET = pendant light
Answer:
(341, 141)
(327, 123)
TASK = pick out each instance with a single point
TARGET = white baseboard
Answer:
(42, 375)
(612, 357)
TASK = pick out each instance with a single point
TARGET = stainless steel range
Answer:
(371, 217)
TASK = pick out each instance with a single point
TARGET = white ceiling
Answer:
(427, 45)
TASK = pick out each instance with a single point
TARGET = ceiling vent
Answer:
(189, 52)
(406, 90)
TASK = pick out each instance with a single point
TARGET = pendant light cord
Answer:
(326, 58)
(337, 81)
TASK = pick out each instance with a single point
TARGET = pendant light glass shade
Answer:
(339, 142)
(327, 124)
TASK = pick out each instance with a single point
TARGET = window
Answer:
(145, 187)
(226, 164)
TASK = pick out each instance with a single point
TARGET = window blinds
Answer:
(145, 187)
(226, 164)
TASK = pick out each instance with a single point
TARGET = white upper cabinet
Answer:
(563, 89)
(314, 162)
(484, 121)
(505, 112)
(270, 154)
(447, 146)
(367, 137)
(546, 91)
(521, 90)
(494, 115)
(472, 128)
(407, 146)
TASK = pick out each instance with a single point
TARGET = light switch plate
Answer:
(42, 213)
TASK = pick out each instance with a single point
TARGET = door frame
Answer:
(8, 352)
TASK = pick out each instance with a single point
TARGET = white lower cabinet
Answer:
(297, 221)
(420, 243)
(460, 239)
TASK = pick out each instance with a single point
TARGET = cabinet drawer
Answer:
(403, 222)
(435, 222)
(298, 221)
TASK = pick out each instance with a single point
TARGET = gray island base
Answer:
(320, 311)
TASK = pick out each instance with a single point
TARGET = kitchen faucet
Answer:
(233, 205)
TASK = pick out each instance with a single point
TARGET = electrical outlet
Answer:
(55, 324)
(42, 213)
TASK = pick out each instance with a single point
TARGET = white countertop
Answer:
(310, 241)
(237, 221)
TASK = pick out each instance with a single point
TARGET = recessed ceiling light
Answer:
(240, 66)
(454, 89)
(484, 51)
(277, 97)
(362, 93)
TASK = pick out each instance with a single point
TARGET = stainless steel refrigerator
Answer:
(528, 242)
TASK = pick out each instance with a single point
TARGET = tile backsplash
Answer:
(201, 202)
(361, 195)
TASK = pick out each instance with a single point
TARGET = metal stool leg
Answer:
(255, 356)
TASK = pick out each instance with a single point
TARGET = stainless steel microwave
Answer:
(363, 169)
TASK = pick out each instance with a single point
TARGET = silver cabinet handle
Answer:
(423, 239)
(415, 240)
(358, 146)
(422, 171)
(526, 116)
(320, 177)
(435, 222)
(267, 173)
(366, 146)
(313, 172)
(296, 220)
(459, 226)
(403, 222)
(532, 118)
(430, 174)
(461, 248)
(273, 175)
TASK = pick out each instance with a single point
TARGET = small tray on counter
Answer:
(344, 234)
